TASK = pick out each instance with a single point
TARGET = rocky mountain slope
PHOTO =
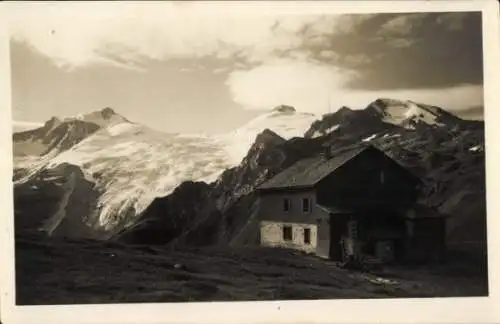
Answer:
(120, 180)
(444, 150)
(58, 135)
(113, 169)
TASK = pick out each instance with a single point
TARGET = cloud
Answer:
(19, 126)
(312, 86)
(473, 112)
(220, 70)
(271, 59)
(401, 25)
(304, 84)
(413, 50)
(458, 99)
(78, 34)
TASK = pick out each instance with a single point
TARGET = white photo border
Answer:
(446, 310)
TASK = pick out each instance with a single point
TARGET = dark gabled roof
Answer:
(308, 172)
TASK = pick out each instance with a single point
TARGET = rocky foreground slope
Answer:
(49, 272)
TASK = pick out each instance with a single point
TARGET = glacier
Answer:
(131, 164)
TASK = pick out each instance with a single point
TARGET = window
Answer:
(307, 235)
(306, 205)
(287, 233)
(382, 177)
(287, 204)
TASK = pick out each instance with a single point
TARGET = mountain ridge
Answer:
(131, 164)
(60, 134)
(431, 152)
(135, 195)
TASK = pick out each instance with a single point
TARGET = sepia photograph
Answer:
(168, 152)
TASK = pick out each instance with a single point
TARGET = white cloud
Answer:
(312, 87)
(77, 34)
(304, 84)
(400, 25)
(125, 34)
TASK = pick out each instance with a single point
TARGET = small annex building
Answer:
(358, 201)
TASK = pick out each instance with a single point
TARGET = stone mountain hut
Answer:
(358, 202)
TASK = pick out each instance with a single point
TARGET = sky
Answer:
(184, 67)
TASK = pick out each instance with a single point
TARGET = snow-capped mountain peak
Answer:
(285, 109)
(129, 165)
(103, 118)
(52, 122)
(284, 120)
(60, 134)
(383, 115)
(410, 114)
(109, 170)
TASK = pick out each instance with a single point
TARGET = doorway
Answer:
(338, 228)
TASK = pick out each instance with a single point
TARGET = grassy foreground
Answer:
(60, 271)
